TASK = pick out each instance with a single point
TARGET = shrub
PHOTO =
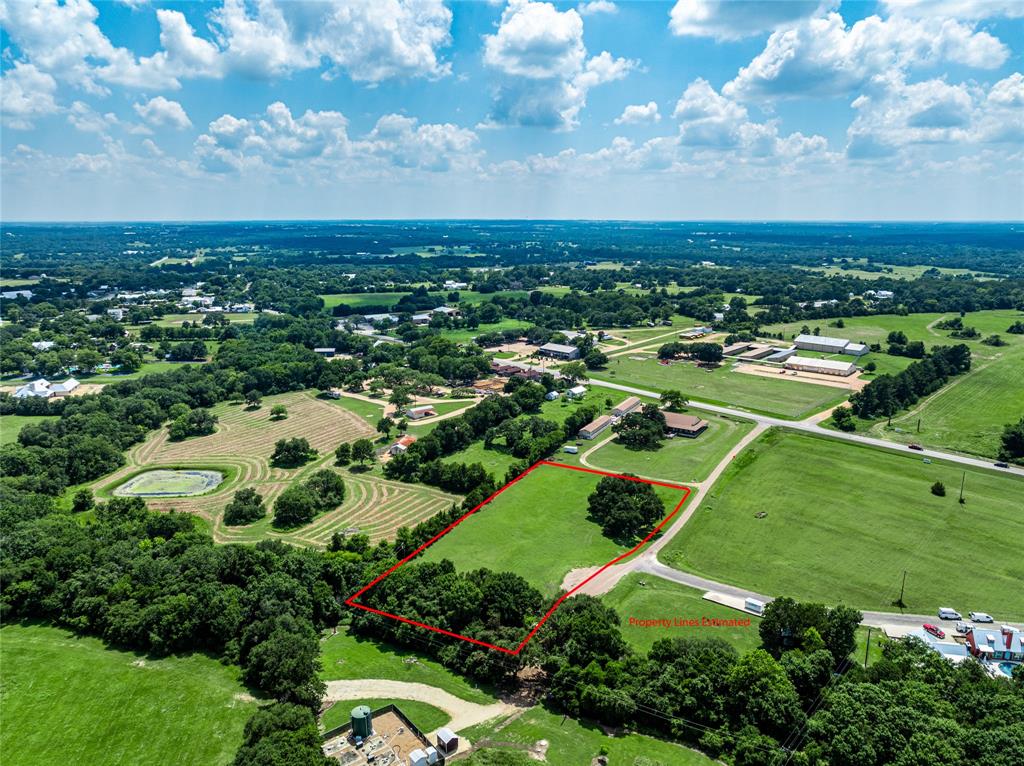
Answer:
(939, 489)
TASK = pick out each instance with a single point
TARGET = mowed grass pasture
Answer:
(348, 657)
(537, 528)
(573, 743)
(966, 415)
(11, 425)
(243, 444)
(723, 386)
(676, 460)
(844, 521)
(69, 699)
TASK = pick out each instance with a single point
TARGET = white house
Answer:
(452, 285)
(37, 388)
(43, 345)
(576, 392)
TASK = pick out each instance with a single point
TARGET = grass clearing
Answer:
(425, 717)
(576, 743)
(661, 599)
(542, 521)
(723, 386)
(680, 459)
(844, 521)
(11, 425)
(347, 657)
(69, 699)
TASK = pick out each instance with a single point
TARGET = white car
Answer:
(981, 617)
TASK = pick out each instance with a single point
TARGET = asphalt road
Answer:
(810, 425)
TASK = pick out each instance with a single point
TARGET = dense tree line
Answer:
(887, 394)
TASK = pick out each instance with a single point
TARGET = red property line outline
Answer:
(351, 600)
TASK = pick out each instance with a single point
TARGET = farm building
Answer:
(559, 351)
(44, 389)
(736, 349)
(448, 311)
(820, 366)
(402, 445)
(576, 392)
(828, 345)
(551, 395)
(418, 413)
(780, 354)
(596, 426)
(695, 332)
(451, 284)
(626, 406)
(325, 351)
(684, 425)
(421, 319)
(374, 318)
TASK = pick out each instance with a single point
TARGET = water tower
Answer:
(362, 722)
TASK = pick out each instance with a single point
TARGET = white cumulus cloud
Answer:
(635, 114)
(825, 57)
(544, 73)
(594, 7)
(956, 9)
(736, 19)
(161, 112)
(25, 94)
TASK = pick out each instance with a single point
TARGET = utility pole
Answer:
(919, 425)
(902, 586)
(866, 648)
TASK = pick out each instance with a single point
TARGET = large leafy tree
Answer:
(625, 509)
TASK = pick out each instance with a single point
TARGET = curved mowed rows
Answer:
(243, 443)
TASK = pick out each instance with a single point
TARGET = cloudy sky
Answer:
(793, 109)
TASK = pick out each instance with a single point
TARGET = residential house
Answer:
(684, 425)
(401, 445)
(576, 392)
(325, 351)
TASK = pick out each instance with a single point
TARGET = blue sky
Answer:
(791, 109)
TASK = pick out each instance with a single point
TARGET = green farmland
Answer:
(536, 518)
(572, 743)
(68, 699)
(348, 657)
(724, 386)
(680, 459)
(844, 522)
(968, 413)
(661, 599)
(11, 425)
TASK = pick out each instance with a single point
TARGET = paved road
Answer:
(811, 425)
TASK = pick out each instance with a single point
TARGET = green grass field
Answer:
(542, 523)
(573, 743)
(67, 699)
(661, 599)
(968, 414)
(679, 459)
(11, 425)
(358, 300)
(844, 522)
(425, 717)
(465, 335)
(346, 657)
(723, 386)
(175, 320)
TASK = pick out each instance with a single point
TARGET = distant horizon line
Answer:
(762, 221)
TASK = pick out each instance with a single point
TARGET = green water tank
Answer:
(362, 722)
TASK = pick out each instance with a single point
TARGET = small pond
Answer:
(170, 483)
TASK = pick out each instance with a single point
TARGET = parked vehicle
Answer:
(980, 617)
(934, 630)
(946, 613)
(1001, 464)
(915, 446)
(962, 627)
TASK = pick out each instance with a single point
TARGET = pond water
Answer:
(170, 483)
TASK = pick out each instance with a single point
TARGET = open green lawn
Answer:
(542, 524)
(657, 599)
(724, 386)
(572, 743)
(679, 459)
(175, 320)
(890, 272)
(844, 522)
(344, 657)
(425, 717)
(358, 300)
(11, 425)
(67, 699)
(969, 413)
(465, 335)
(147, 368)
(662, 599)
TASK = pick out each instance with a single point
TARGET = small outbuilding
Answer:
(418, 413)
(447, 741)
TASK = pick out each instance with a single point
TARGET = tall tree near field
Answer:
(362, 451)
